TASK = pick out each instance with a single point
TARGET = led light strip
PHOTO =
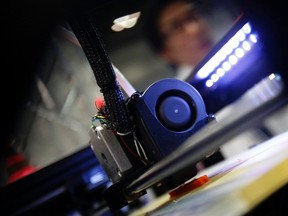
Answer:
(228, 56)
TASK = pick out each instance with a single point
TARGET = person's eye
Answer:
(194, 17)
(177, 26)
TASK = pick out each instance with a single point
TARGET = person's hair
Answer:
(151, 16)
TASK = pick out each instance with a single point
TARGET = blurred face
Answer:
(186, 35)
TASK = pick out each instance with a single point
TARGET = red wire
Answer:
(132, 152)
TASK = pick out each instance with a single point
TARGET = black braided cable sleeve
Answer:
(85, 29)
